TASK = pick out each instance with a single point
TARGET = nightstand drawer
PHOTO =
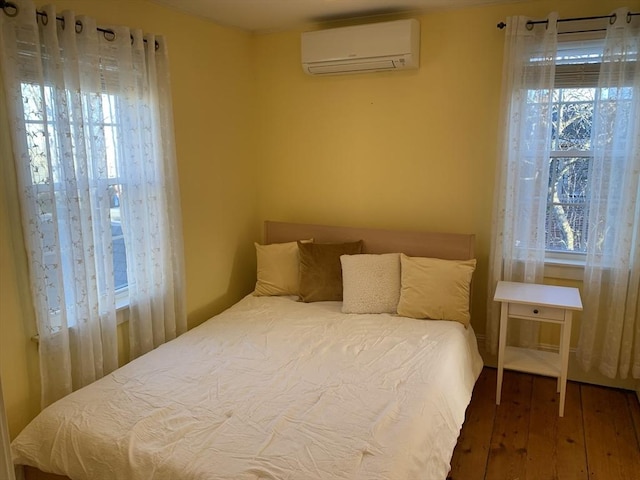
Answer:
(535, 311)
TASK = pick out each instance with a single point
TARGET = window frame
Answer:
(571, 74)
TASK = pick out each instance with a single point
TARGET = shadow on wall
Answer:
(242, 279)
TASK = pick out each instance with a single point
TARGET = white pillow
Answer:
(370, 283)
(278, 269)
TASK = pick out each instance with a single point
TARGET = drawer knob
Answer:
(535, 310)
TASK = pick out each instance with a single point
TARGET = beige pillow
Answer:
(371, 283)
(435, 289)
(321, 271)
(278, 272)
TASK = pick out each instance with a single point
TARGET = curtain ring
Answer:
(629, 16)
(157, 46)
(109, 35)
(45, 18)
(529, 25)
(79, 26)
(10, 9)
(613, 18)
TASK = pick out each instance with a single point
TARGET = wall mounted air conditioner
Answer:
(362, 48)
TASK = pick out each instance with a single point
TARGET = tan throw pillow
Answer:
(435, 289)
(371, 283)
(278, 269)
(321, 271)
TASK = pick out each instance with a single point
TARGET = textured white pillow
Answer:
(370, 283)
(278, 269)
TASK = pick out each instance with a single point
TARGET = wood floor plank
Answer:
(611, 446)
(572, 457)
(555, 448)
(634, 407)
(470, 456)
(508, 453)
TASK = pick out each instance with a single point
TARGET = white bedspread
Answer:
(270, 389)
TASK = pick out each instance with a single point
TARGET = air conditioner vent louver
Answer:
(362, 48)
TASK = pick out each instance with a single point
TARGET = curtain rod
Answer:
(11, 10)
(611, 17)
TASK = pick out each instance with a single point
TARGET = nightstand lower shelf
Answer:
(532, 361)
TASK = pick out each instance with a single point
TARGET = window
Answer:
(90, 120)
(569, 165)
(571, 156)
(48, 187)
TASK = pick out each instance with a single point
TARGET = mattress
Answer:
(270, 389)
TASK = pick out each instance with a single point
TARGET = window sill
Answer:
(122, 312)
(122, 300)
(564, 268)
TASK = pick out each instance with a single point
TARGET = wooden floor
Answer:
(524, 439)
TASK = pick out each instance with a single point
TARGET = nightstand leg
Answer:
(501, 347)
(561, 353)
(564, 357)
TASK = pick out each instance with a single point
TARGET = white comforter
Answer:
(270, 389)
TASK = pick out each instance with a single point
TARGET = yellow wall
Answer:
(411, 149)
(258, 139)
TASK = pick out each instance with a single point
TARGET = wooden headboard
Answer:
(449, 246)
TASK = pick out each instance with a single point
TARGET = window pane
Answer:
(36, 143)
(572, 118)
(110, 128)
(566, 225)
(119, 251)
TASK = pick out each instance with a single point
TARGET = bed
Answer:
(278, 388)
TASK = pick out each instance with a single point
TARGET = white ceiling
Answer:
(263, 16)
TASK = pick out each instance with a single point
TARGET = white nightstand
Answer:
(542, 303)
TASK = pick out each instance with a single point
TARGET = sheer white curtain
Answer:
(92, 138)
(522, 173)
(610, 332)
